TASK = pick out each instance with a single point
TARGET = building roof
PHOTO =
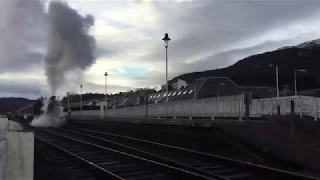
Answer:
(89, 102)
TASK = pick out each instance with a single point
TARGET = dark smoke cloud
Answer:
(70, 46)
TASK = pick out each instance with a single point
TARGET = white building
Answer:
(175, 85)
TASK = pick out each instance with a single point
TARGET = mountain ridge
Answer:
(259, 69)
(9, 104)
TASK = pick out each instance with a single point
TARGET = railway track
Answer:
(193, 161)
(88, 161)
(63, 163)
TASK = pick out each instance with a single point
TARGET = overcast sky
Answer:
(206, 34)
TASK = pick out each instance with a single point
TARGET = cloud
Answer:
(202, 28)
(28, 61)
(30, 88)
(205, 35)
(111, 88)
(22, 31)
(208, 35)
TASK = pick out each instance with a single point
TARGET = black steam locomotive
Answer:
(39, 104)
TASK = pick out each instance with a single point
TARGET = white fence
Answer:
(228, 106)
(304, 106)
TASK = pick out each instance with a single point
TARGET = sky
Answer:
(205, 35)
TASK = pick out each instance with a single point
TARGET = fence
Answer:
(304, 106)
(226, 106)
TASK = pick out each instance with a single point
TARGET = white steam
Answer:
(54, 118)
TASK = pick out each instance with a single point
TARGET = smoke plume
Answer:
(49, 119)
(70, 46)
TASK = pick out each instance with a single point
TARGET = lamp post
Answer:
(105, 92)
(166, 40)
(81, 100)
(278, 93)
(219, 88)
(194, 90)
(295, 80)
(277, 80)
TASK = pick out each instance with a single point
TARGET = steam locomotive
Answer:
(52, 104)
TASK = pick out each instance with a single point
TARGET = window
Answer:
(185, 92)
(169, 94)
(174, 93)
(179, 93)
(164, 95)
(190, 91)
(151, 97)
(159, 95)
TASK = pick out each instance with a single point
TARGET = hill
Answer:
(259, 70)
(9, 104)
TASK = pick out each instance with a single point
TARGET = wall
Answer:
(20, 153)
(3, 147)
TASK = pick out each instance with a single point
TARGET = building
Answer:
(174, 85)
(200, 88)
(259, 91)
(310, 92)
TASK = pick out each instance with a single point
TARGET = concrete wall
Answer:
(3, 147)
(20, 155)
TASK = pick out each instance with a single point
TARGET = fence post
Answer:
(241, 106)
(315, 109)
(292, 111)
(203, 108)
(147, 103)
(247, 105)
(271, 107)
(102, 111)
(191, 110)
(300, 104)
(260, 108)
(212, 108)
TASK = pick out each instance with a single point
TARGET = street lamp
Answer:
(295, 80)
(194, 90)
(166, 40)
(81, 100)
(105, 92)
(277, 81)
(220, 84)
